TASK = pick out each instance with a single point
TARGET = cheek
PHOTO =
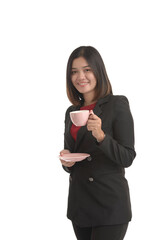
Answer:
(73, 80)
(93, 79)
(94, 82)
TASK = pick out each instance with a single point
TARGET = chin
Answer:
(84, 90)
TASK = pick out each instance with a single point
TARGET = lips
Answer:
(82, 83)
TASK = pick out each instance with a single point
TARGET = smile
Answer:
(83, 83)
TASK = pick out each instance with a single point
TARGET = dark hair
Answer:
(94, 59)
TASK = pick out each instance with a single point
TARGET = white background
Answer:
(36, 39)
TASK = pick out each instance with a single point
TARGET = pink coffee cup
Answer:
(79, 118)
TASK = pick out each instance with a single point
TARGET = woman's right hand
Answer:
(65, 163)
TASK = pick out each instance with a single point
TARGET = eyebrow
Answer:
(82, 67)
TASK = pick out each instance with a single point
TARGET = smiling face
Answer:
(83, 78)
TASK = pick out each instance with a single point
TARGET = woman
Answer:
(98, 203)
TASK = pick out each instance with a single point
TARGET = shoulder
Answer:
(114, 100)
(70, 109)
(119, 101)
(119, 98)
(117, 106)
(121, 106)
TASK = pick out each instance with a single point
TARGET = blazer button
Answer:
(89, 158)
(91, 179)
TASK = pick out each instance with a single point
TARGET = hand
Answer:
(65, 163)
(94, 124)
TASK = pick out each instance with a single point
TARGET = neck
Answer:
(88, 99)
(88, 103)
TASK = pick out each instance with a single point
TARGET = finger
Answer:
(91, 112)
(91, 128)
(95, 121)
(92, 124)
(66, 164)
(62, 152)
(71, 164)
(63, 162)
(93, 116)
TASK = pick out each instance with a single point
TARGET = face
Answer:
(83, 77)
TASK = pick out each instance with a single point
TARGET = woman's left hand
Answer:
(94, 124)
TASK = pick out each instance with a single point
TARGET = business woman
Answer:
(99, 201)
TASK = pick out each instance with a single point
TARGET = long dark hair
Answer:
(95, 61)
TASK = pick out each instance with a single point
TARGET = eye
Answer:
(87, 70)
(73, 72)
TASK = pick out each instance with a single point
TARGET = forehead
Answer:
(79, 63)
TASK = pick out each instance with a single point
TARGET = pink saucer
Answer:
(74, 157)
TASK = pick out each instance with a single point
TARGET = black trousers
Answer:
(108, 232)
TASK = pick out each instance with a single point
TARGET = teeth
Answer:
(82, 83)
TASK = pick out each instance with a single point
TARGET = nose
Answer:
(81, 75)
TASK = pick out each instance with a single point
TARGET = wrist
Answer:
(101, 137)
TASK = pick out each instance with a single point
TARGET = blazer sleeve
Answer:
(67, 169)
(119, 148)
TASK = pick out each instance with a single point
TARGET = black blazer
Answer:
(98, 190)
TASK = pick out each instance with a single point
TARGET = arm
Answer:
(120, 147)
(67, 166)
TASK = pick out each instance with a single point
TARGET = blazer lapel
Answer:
(97, 110)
